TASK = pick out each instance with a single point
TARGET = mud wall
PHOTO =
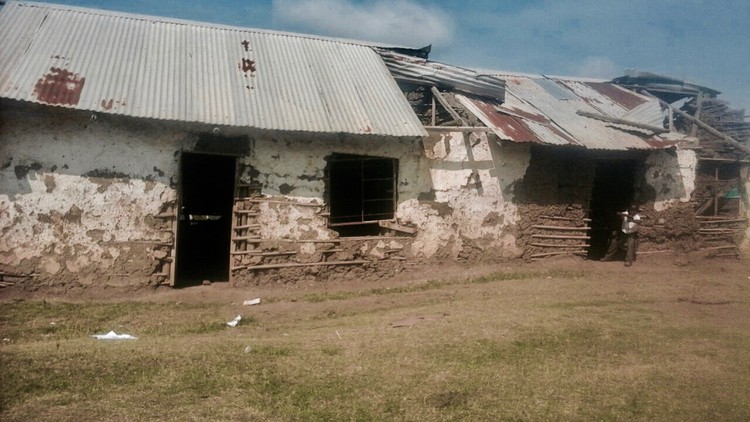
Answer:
(79, 194)
(265, 259)
(454, 190)
(292, 168)
(468, 213)
(555, 192)
(670, 196)
(745, 201)
(668, 178)
(82, 197)
(455, 200)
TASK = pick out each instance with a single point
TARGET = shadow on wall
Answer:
(557, 176)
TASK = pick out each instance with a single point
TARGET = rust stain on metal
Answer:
(515, 123)
(246, 45)
(107, 105)
(621, 96)
(59, 86)
(247, 65)
(510, 126)
(526, 115)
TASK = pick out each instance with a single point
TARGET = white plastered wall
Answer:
(76, 192)
(78, 195)
(471, 178)
(671, 174)
(442, 170)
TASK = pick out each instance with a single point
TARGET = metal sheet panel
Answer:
(425, 72)
(544, 110)
(187, 71)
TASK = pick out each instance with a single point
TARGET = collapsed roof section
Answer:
(159, 68)
(420, 71)
(670, 89)
(723, 133)
(596, 115)
(564, 111)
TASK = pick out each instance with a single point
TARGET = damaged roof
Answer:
(569, 111)
(662, 84)
(159, 68)
(420, 71)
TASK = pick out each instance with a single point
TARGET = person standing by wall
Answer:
(627, 237)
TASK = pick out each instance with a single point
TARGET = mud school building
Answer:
(143, 151)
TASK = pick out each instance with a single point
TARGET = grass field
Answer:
(565, 340)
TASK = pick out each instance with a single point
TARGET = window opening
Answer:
(362, 192)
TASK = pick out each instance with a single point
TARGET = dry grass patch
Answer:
(553, 344)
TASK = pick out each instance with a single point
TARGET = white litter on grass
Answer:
(255, 301)
(235, 321)
(114, 336)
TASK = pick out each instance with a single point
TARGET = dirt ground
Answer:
(699, 280)
(559, 339)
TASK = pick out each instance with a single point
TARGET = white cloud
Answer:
(405, 23)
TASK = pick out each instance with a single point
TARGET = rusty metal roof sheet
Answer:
(169, 69)
(545, 110)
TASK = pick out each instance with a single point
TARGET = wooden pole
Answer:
(562, 228)
(655, 129)
(710, 130)
(557, 245)
(434, 110)
(564, 218)
(551, 236)
(300, 264)
(437, 95)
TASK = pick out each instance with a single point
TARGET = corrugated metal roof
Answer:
(420, 71)
(188, 71)
(545, 110)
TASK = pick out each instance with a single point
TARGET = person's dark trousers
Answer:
(614, 245)
(631, 244)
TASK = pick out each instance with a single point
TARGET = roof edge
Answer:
(178, 21)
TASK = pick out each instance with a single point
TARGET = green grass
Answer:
(524, 345)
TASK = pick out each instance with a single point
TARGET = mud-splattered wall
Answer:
(455, 193)
(668, 178)
(78, 195)
(82, 197)
(467, 212)
(454, 189)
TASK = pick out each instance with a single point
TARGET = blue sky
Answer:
(705, 42)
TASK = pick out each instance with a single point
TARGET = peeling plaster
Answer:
(77, 191)
(470, 207)
(671, 175)
(116, 213)
(76, 194)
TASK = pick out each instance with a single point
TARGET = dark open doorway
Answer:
(613, 191)
(204, 227)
